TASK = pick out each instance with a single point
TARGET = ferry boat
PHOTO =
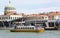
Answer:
(22, 28)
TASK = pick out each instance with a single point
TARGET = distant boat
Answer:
(58, 23)
(51, 25)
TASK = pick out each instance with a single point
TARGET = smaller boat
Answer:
(51, 25)
(22, 28)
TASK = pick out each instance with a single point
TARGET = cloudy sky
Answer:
(32, 6)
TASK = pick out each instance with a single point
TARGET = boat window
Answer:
(21, 27)
(25, 28)
(11, 17)
(44, 24)
(56, 24)
(51, 24)
(32, 27)
(32, 24)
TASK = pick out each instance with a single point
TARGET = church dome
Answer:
(9, 7)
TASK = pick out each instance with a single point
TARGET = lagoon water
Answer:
(46, 34)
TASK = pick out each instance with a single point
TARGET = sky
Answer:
(32, 6)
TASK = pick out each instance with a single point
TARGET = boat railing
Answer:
(25, 27)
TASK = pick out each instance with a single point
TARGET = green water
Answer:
(46, 34)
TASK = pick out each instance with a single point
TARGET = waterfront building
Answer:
(54, 15)
(11, 15)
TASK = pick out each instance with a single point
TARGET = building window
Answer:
(49, 16)
(6, 17)
(15, 17)
(10, 17)
(0, 17)
(45, 17)
(39, 17)
(51, 24)
(42, 17)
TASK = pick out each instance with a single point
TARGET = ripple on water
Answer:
(46, 34)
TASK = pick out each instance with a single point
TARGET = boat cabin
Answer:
(25, 27)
